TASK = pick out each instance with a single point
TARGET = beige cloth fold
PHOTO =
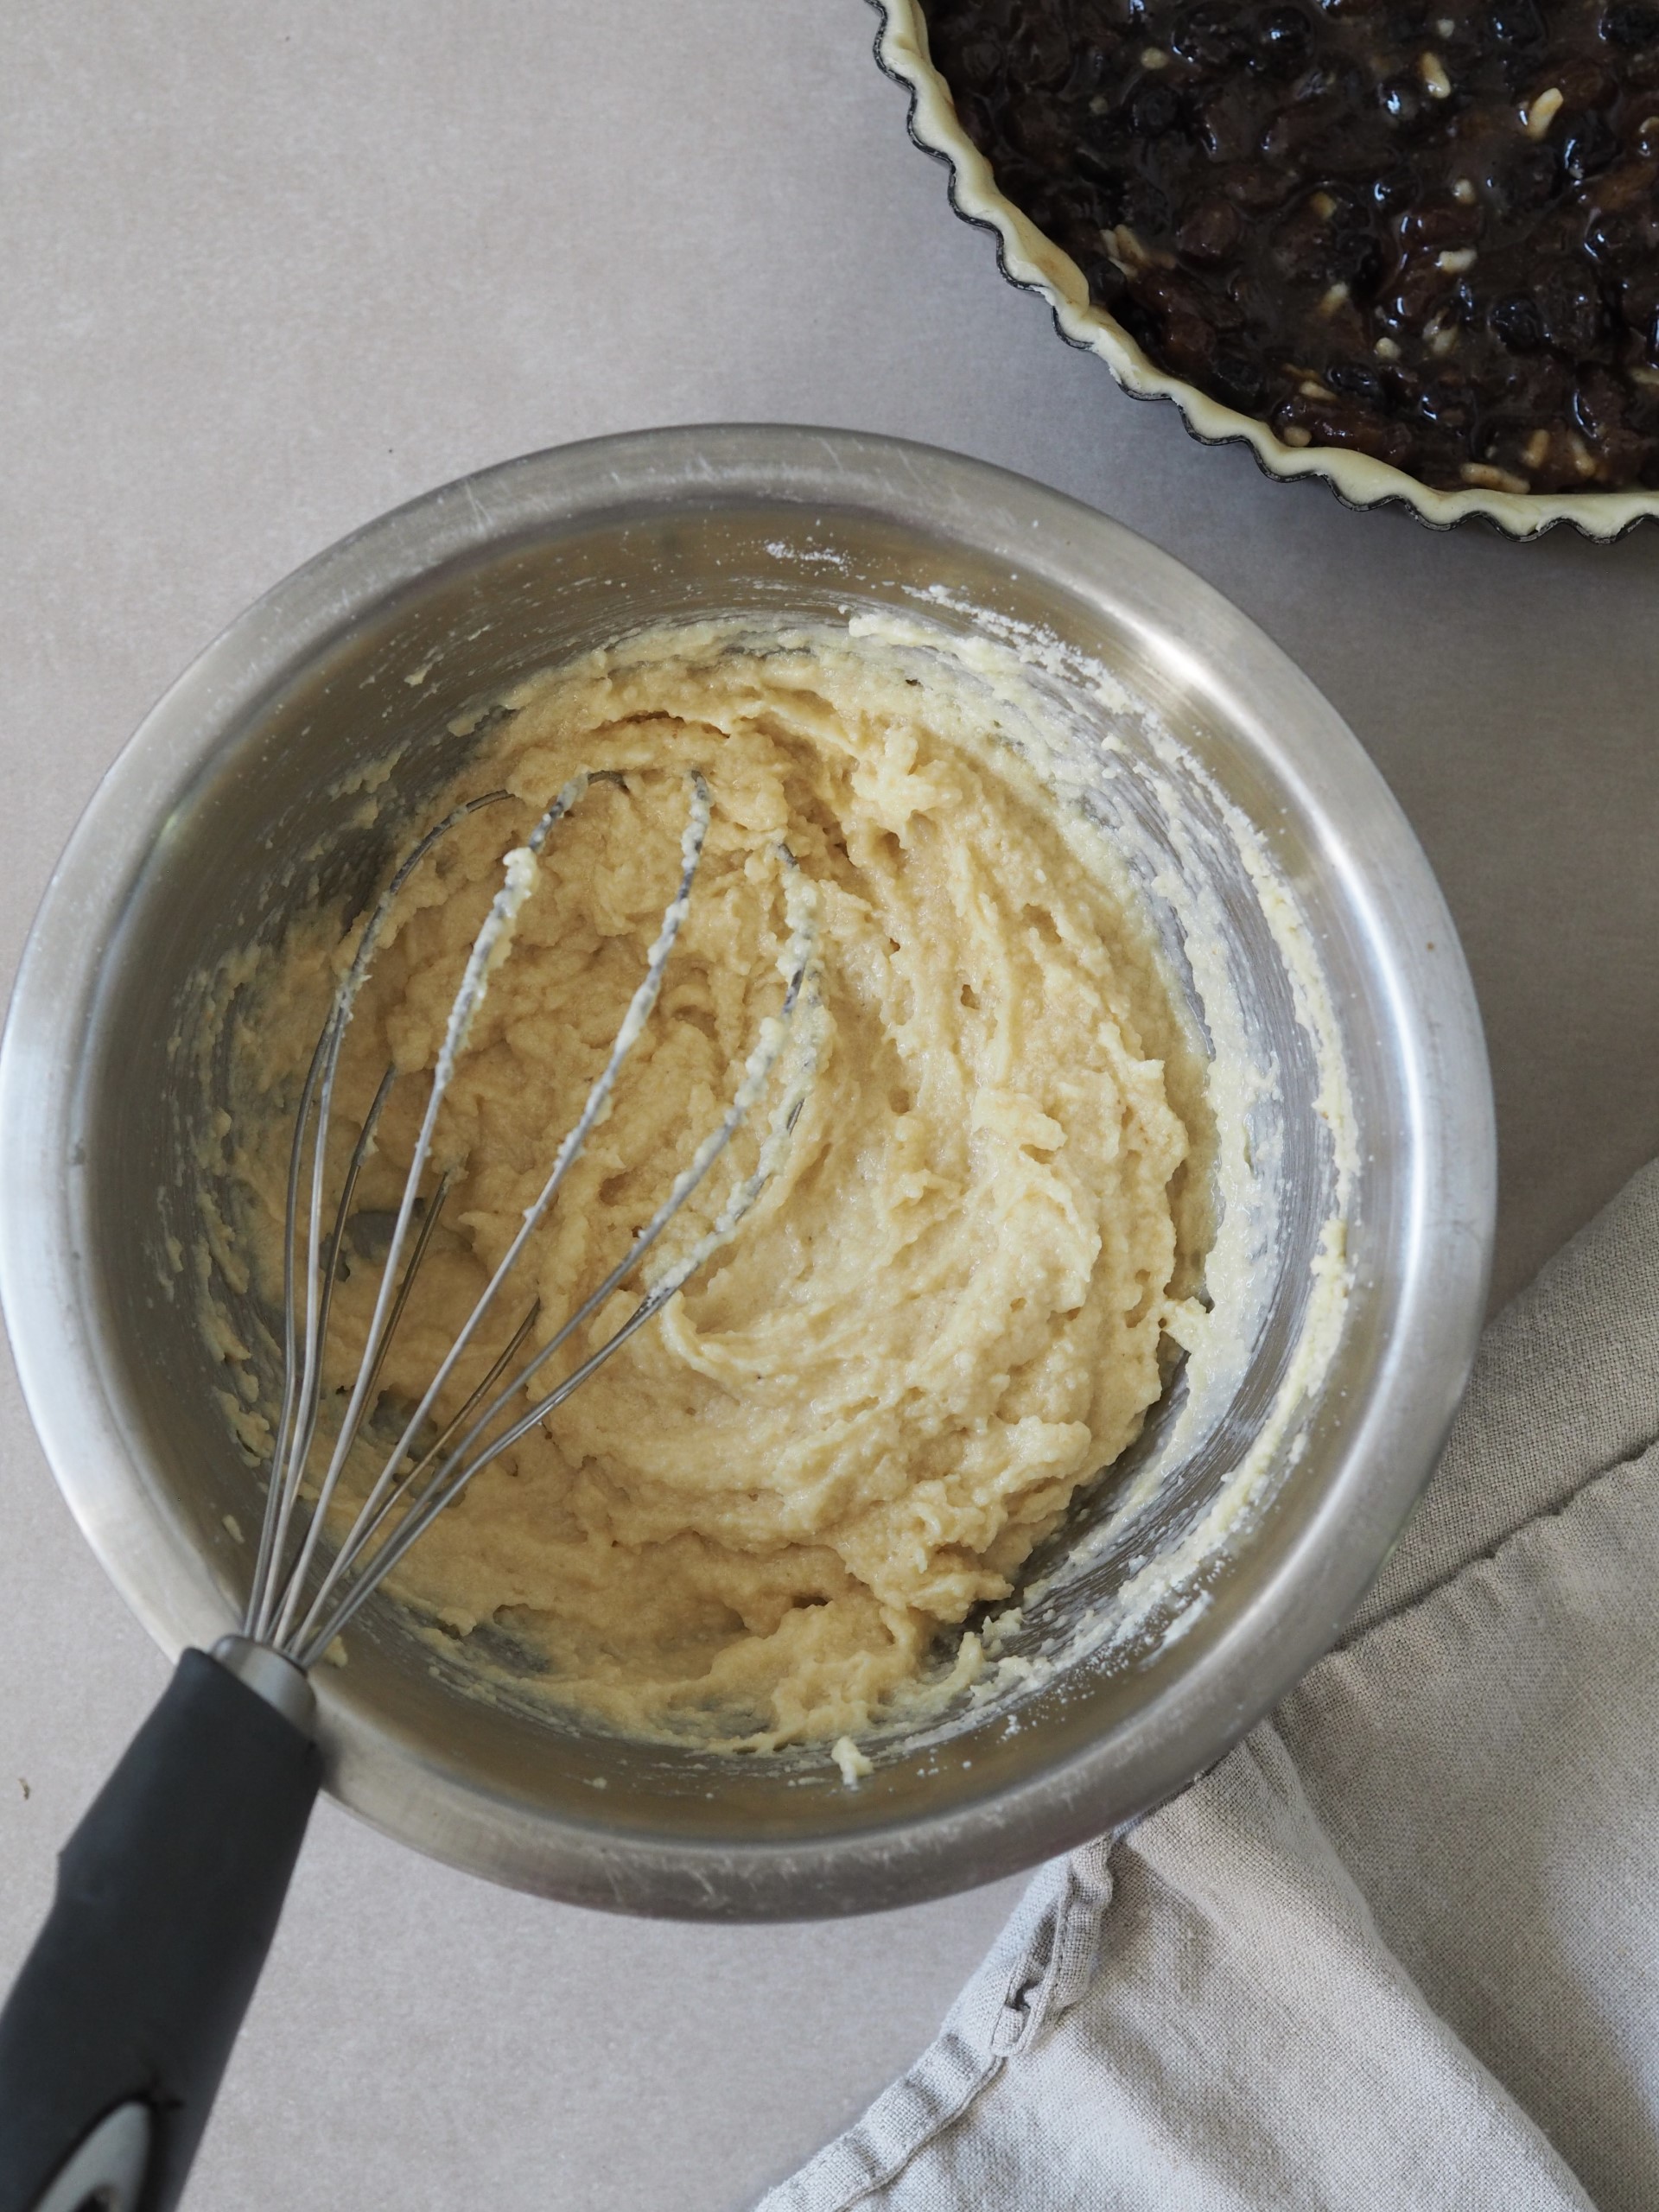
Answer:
(1399, 1951)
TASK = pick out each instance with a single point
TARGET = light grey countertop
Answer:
(267, 271)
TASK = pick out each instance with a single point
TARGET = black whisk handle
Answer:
(118, 2026)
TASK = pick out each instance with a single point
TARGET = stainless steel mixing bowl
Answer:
(192, 838)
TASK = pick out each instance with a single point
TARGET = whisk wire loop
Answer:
(488, 948)
(417, 1489)
(458, 1469)
(273, 1523)
(370, 1520)
(320, 1287)
(302, 1383)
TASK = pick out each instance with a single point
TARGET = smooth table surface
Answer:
(268, 272)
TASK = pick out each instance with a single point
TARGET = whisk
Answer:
(118, 2027)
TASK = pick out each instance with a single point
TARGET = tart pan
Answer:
(1031, 260)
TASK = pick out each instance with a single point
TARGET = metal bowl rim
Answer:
(1429, 1005)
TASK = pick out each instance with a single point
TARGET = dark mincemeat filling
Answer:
(1425, 232)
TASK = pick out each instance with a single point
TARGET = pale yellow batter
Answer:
(958, 1297)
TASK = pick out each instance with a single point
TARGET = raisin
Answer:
(1102, 160)
(1258, 187)
(1421, 291)
(1239, 380)
(1518, 323)
(1608, 238)
(1356, 261)
(1349, 423)
(1630, 26)
(1440, 223)
(1286, 31)
(1209, 35)
(1107, 283)
(1042, 51)
(1573, 312)
(1627, 186)
(1445, 403)
(1211, 231)
(1530, 180)
(1392, 190)
(980, 62)
(1600, 405)
(1401, 100)
(1582, 82)
(1154, 109)
(1140, 323)
(1358, 382)
(1226, 128)
(1517, 23)
(1588, 146)
(1090, 74)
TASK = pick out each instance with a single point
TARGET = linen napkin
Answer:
(1401, 1949)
